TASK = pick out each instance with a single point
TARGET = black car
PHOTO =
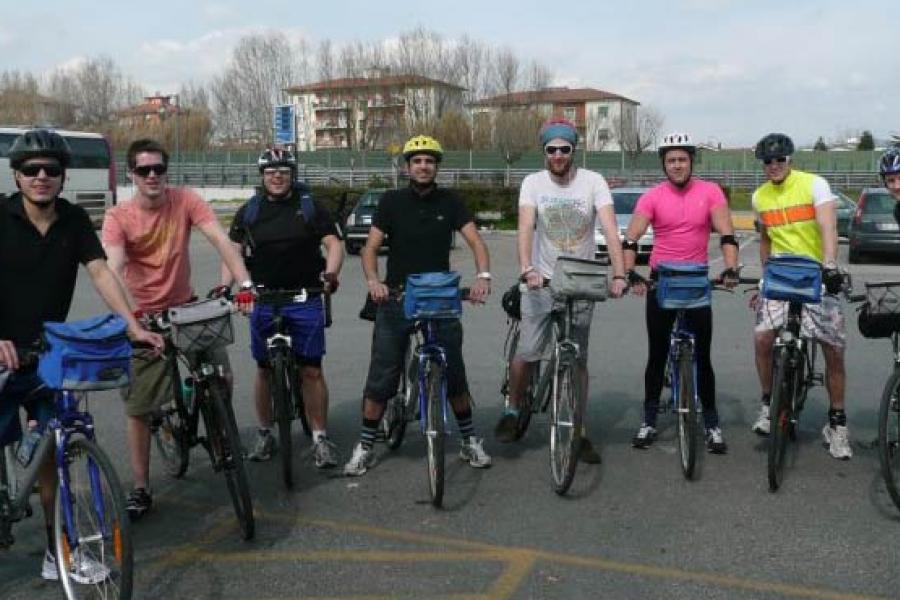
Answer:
(359, 221)
(874, 228)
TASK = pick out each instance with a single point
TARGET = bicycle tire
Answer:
(403, 406)
(232, 457)
(171, 438)
(434, 431)
(295, 384)
(282, 409)
(889, 436)
(565, 417)
(97, 505)
(781, 415)
(686, 422)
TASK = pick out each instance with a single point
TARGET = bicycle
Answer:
(284, 372)
(403, 408)
(193, 331)
(91, 531)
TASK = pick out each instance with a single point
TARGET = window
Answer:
(603, 112)
(603, 134)
(569, 113)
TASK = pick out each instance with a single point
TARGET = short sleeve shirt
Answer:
(156, 243)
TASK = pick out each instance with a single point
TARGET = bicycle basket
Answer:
(202, 325)
(90, 354)
(880, 315)
(682, 285)
(432, 296)
(792, 277)
(512, 302)
(579, 279)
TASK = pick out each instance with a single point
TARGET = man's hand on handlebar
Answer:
(636, 282)
(378, 291)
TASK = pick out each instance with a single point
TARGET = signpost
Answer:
(285, 125)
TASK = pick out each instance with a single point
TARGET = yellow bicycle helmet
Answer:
(422, 144)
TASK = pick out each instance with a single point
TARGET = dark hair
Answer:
(144, 145)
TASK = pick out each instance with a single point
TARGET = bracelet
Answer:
(527, 269)
(622, 277)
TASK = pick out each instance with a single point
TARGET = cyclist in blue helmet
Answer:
(889, 169)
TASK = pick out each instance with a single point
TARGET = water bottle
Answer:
(187, 393)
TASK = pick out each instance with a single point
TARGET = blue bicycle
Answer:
(93, 545)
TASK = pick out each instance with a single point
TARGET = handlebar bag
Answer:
(90, 354)
(432, 296)
(879, 317)
(579, 279)
(683, 285)
(202, 325)
(793, 278)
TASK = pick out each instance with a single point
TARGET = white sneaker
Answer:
(362, 460)
(837, 440)
(762, 424)
(472, 450)
(85, 570)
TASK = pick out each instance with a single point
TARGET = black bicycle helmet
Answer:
(276, 157)
(39, 143)
(774, 145)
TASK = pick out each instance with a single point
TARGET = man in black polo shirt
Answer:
(280, 233)
(419, 222)
(43, 238)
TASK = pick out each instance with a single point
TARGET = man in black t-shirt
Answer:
(419, 222)
(280, 233)
(43, 239)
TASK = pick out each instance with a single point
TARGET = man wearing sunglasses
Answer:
(281, 232)
(558, 211)
(147, 239)
(797, 214)
(43, 238)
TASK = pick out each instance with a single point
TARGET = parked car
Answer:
(846, 208)
(874, 228)
(359, 221)
(624, 201)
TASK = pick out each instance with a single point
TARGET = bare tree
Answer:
(325, 60)
(636, 130)
(506, 71)
(97, 89)
(515, 131)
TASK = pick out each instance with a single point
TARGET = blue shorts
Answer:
(18, 393)
(305, 325)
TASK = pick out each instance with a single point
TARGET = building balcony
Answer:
(331, 125)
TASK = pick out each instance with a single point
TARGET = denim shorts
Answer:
(305, 325)
(18, 393)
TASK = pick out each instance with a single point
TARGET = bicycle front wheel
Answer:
(565, 428)
(283, 409)
(781, 415)
(92, 535)
(889, 436)
(402, 406)
(686, 423)
(434, 430)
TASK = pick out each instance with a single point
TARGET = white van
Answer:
(90, 178)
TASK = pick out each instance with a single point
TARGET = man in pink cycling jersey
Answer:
(682, 210)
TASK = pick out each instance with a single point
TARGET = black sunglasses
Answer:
(551, 150)
(34, 170)
(145, 170)
(780, 159)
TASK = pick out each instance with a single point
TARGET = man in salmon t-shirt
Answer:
(147, 241)
(682, 210)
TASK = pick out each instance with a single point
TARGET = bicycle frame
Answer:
(681, 340)
(430, 350)
(565, 352)
(799, 348)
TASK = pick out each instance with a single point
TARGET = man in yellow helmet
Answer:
(419, 222)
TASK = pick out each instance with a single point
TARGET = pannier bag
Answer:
(432, 296)
(793, 278)
(90, 354)
(202, 325)
(880, 315)
(682, 285)
(579, 279)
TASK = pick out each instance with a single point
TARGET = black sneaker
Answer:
(587, 454)
(138, 503)
(644, 437)
(507, 429)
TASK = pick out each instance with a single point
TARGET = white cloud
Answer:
(7, 36)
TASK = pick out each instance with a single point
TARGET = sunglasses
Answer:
(145, 170)
(277, 171)
(779, 160)
(34, 170)
(551, 150)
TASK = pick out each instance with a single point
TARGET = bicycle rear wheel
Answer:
(434, 430)
(231, 458)
(686, 407)
(92, 534)
(283, 411)
(565, 427)
(781, 415)
(295, 384)
(402, 407)
(889, 436)
(170, 433)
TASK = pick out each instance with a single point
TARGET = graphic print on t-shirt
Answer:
(565, 221)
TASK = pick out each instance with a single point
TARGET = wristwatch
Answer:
(483, 275)
(246, 285)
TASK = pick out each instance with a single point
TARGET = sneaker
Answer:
(761, 426)
(362, 460)
(644, 437)
(837, 440)
(85, 570)
(264, 448)
(324, 453)
(507, 429)
(472, 451)
(587, 454)
(138, 503)
(715, 443)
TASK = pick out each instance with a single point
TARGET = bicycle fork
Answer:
(680, 346)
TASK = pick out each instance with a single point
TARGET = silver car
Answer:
(624, 201)
(874, 230)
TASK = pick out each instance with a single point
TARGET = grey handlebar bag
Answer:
(579, 279)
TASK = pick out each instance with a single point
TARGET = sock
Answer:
(766, 399)
(464, 421)
(51, 543)
(837, 417)
(367, 435)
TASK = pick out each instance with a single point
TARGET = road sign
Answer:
(284, 124)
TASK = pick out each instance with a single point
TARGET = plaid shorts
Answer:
(824, 321)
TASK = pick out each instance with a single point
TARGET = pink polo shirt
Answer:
(681, 219)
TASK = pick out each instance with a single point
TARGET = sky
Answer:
(724, 71)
